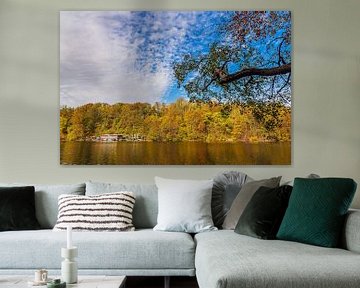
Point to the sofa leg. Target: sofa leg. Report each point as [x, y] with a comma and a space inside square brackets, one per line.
[167, 282]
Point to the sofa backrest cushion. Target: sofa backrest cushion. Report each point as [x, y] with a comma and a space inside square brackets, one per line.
[146, 204]
[46, 200]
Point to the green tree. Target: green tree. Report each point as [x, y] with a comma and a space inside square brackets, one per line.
[254, 65]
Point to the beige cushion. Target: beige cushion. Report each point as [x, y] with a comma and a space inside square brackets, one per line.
[243, 198]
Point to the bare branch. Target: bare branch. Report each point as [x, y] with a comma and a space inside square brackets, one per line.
[284, 69]
[286, 83]
[273, 86]
[281, 59]
[207, 85]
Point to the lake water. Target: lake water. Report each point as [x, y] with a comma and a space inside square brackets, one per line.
[183, 153]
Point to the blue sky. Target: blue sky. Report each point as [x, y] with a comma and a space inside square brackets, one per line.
[123, 56]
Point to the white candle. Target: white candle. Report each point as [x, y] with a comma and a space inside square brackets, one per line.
[69, 239]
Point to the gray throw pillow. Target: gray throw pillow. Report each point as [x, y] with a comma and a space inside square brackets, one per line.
[226, 187]
[184, 205]
[242, 199]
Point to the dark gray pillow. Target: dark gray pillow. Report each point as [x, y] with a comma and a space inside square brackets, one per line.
[243, 198]
[226, 187]
[263, 215]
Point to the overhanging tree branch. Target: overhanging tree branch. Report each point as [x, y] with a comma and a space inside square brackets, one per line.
[284, 69]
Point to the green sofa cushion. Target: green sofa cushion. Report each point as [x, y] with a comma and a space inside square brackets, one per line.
[316, 211]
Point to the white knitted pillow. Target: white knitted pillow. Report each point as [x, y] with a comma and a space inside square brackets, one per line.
[105, 212]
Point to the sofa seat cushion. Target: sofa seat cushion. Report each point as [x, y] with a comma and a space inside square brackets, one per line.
[226, 259]
[142, 249]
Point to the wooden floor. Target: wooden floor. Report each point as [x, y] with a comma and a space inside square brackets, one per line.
[158, 282]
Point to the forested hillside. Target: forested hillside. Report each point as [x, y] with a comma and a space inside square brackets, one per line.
[179, 121]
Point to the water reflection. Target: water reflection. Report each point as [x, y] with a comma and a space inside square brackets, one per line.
[183, 153]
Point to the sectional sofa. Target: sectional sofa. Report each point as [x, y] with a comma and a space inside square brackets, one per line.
[219, 259]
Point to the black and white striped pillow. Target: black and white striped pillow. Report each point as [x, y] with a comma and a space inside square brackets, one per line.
[105, 212]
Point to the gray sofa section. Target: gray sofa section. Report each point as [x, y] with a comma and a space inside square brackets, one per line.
[221, 259]
[225, 259]
[141, 253]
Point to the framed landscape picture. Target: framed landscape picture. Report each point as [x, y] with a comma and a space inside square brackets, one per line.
[175, 87]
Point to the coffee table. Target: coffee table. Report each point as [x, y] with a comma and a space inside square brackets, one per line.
[84, 281]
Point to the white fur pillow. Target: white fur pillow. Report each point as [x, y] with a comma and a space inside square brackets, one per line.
[105, 212]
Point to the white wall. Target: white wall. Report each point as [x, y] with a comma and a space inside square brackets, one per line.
[326, 91]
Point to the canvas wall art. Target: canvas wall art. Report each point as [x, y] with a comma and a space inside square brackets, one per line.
[175, 88]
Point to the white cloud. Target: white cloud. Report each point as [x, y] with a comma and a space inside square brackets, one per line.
[98, 64]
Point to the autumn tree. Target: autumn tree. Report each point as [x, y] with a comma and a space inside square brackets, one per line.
[179, 121]
[253, 65]
[65, 121]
